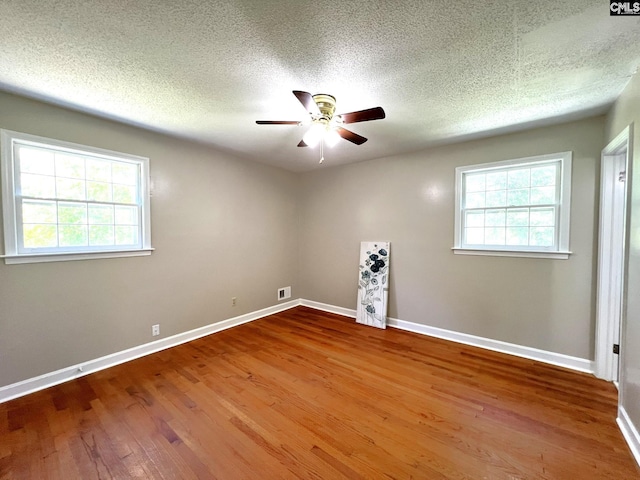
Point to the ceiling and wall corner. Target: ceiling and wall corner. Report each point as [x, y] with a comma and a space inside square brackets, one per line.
[206, 70]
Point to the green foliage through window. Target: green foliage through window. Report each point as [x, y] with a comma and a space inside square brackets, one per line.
[69, 200]
[513, 205]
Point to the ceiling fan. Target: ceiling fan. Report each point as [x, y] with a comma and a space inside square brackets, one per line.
[326, 126]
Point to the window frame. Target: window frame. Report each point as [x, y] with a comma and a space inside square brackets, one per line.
[12, 221]
[563, 217]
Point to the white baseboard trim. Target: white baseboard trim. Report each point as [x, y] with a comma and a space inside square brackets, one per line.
[345, 312]
[47, 380]
[629, 432]
[41, 382]
[558, 359]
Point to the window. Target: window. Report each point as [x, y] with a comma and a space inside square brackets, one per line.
[63, 201]
[514, 208]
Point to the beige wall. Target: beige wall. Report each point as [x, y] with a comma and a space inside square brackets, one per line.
[409, 201]
[625, 112]
[221, 227]
[225, 227]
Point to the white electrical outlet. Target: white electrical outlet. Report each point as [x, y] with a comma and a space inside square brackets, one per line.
[284, 293]
[155, 330]
[234, 301]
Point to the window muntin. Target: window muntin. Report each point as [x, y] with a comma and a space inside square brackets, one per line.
[61, 198]
[516, 206]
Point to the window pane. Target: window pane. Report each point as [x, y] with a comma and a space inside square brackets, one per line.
[543, 195]
[543, 176]
[124, 173]
[515, 205]
[124, 194]
[98, 170]
[100, 235]
[474, 236]
[475, 183]
[70, 166]
[73, 235]
[497, 198]
[100, 214]
[495, 218]
[99, 191]
[474, 219]
[126, 215]
[34, 211]
[517, 236]
[542, 236]
[543, 217]
[497, 181]
[518, 217]
[37, 186]
[518, 197]
[40, 235]
[519, 178]
[474, 200]
[36, 160]
[69, 198]
[494, 236]
[69, 189]
[72, 213]
[126, 236]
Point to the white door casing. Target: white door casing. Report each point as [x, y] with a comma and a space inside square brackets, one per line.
[613, 194]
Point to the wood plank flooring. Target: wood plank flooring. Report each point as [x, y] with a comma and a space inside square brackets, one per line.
[309, 395]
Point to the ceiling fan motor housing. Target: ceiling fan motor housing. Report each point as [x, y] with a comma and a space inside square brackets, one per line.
[326, 104]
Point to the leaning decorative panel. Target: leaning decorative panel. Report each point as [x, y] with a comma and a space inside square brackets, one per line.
[373, 284]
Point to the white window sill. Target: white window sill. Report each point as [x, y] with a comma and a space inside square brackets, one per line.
[64, 257]
[512, 253]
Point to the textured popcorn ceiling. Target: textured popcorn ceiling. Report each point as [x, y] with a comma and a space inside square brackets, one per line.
[443, 70]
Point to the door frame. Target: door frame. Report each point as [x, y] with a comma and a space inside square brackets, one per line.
[611, 235]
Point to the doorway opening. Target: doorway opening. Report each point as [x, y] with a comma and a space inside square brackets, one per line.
[613, 200]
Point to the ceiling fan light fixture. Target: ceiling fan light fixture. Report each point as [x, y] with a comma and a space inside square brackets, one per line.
[314, 134]
[331, 137]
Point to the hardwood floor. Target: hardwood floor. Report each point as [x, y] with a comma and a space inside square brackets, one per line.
[309, 395]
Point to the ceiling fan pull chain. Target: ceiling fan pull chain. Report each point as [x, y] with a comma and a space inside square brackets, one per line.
[321, 151]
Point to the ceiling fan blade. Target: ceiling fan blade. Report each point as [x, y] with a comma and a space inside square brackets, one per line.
[349, 135]
[302, 144]
[306, 99]
[376, 113]
[277, 122]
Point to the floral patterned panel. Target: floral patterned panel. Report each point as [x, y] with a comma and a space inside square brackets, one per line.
[373, 284]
